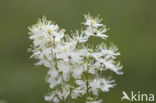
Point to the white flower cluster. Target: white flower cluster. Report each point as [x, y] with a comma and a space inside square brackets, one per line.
[78, 69]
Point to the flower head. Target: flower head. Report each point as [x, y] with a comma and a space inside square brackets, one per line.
[76, 68]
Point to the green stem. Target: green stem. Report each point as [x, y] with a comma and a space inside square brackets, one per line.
[56, 64]
[70, 99]
[87, 77]
[55, 59]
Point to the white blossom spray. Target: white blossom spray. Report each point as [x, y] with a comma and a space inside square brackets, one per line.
[78, 67]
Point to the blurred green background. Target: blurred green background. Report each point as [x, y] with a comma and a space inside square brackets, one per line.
[133, 29]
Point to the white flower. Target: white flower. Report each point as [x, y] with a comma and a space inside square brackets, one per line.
[90, 21]
[100, 33]
[64, 93]
[106, 56]
[77, 71]
[79, 37]
[75, 93]
[67, 52]
[54, 82]
[65, 69]
[95, 85]
[99, 66]
[95, 32]
[53, 73]
[115, 67]
[44, 57]
[109, 52]
[49, 98]
[82, 86]
[52, 97]
[106, 84]
[54, 79]
[93, 27]
[102, 84]
[85, 52]
[44, 33]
